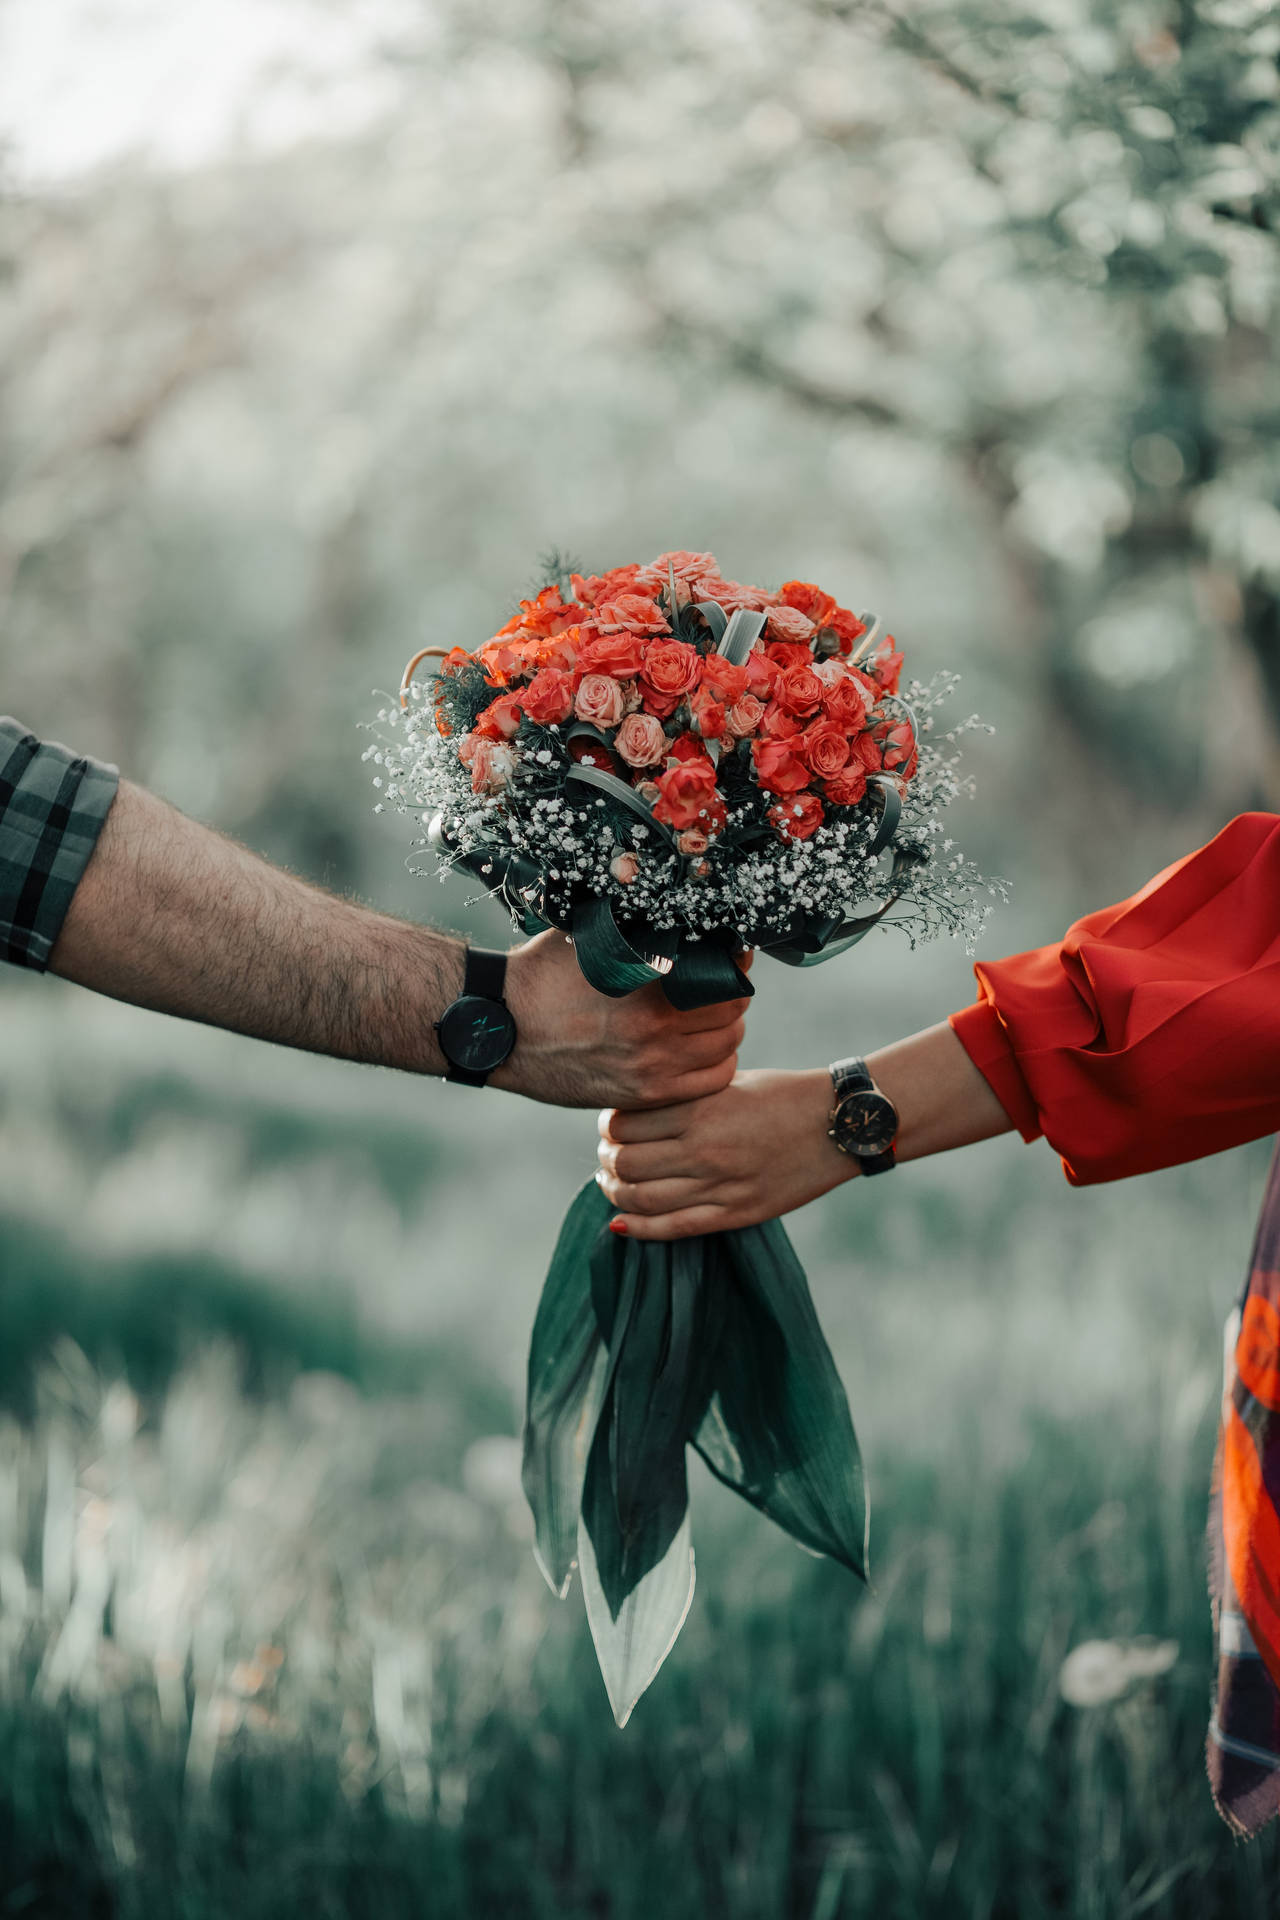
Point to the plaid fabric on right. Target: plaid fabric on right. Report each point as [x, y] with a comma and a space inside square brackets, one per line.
[1243, 1748]
[52, 806]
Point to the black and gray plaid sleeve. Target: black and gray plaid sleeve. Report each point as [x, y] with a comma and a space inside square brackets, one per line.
[52, 806]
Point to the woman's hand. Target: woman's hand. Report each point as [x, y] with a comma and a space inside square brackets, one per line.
[757, 1150]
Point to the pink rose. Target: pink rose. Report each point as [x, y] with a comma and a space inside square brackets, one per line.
[624, 867]
[788, 623]
[650, 792]
[599, 700]
[744, 716]
[685, 566]
[731, 594]
[693, 840]
[631, 613]
[641, 740]
[492, 764]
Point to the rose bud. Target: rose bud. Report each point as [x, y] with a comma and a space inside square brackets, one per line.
[624, 867]
[693, 840]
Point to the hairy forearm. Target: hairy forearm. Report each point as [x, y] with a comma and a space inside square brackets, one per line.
[172, 916]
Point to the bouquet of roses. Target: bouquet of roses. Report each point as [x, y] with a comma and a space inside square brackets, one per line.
[672, 767]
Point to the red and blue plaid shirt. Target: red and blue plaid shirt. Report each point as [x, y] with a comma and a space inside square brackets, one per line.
[52, 806]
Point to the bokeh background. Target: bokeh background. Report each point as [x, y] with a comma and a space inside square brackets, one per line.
[319, 321]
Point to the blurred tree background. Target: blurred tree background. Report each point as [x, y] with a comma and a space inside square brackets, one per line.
[316, 327]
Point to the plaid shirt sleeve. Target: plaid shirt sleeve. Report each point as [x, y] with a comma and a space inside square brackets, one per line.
[52, 806]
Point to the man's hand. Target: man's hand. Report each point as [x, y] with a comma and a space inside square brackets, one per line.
[577, 1048]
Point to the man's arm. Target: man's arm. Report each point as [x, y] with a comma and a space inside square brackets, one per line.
[173, 916]
[761, 1149]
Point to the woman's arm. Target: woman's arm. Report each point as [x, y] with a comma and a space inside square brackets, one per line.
[1148, 1036]
[761, 1149]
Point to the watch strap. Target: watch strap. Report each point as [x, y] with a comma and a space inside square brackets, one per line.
[484, 975]
[854, 1076]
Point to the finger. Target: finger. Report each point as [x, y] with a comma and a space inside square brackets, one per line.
[706, 1019]
[700, 1085]
[664, 1122]
[654, 1196]
[650, 1160]
[708, 1048]
[672, 1226]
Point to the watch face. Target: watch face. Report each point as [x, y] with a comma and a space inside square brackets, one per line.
[477, 1034]
[865, 1123]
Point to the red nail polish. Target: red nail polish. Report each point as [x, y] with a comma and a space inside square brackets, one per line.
[618, 1226]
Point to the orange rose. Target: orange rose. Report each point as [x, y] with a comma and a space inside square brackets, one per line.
[778, 768]
[897, 746]
[799, 818]
[501, 718]
[785, 654]
[618, 654]
[672, 669]
[778, 724]
[864, 749]
[762, 675]
[603, 586]
[1258, 1350]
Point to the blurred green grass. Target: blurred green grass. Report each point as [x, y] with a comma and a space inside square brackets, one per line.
[271, 1637]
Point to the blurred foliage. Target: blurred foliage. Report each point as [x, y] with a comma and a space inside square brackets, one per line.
[972, 307]
[969, 312]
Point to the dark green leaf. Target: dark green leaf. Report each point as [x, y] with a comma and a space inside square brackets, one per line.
[777, 1427]
[566, 1369]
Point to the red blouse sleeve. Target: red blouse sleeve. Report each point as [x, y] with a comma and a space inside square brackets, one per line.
[1151, 1034]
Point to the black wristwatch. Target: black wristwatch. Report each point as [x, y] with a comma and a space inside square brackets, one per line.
[864, 1121]
[477, 1032]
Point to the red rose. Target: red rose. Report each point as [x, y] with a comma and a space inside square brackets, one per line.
[708, 715]
[824, 748]
[885, 665]
[778, 724]
[688, 797]
[848, 786]
[845, 704]
[762, 675]
[800, 691]
[797, 819]
[726, 681]
[808, 599]
[688, 747]
[784, 655]
[672, 668]
[501, 718]
[548, 698]
[631, 613]
[620, 655]
[897, 748]
[778, 768]
[847, 628]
